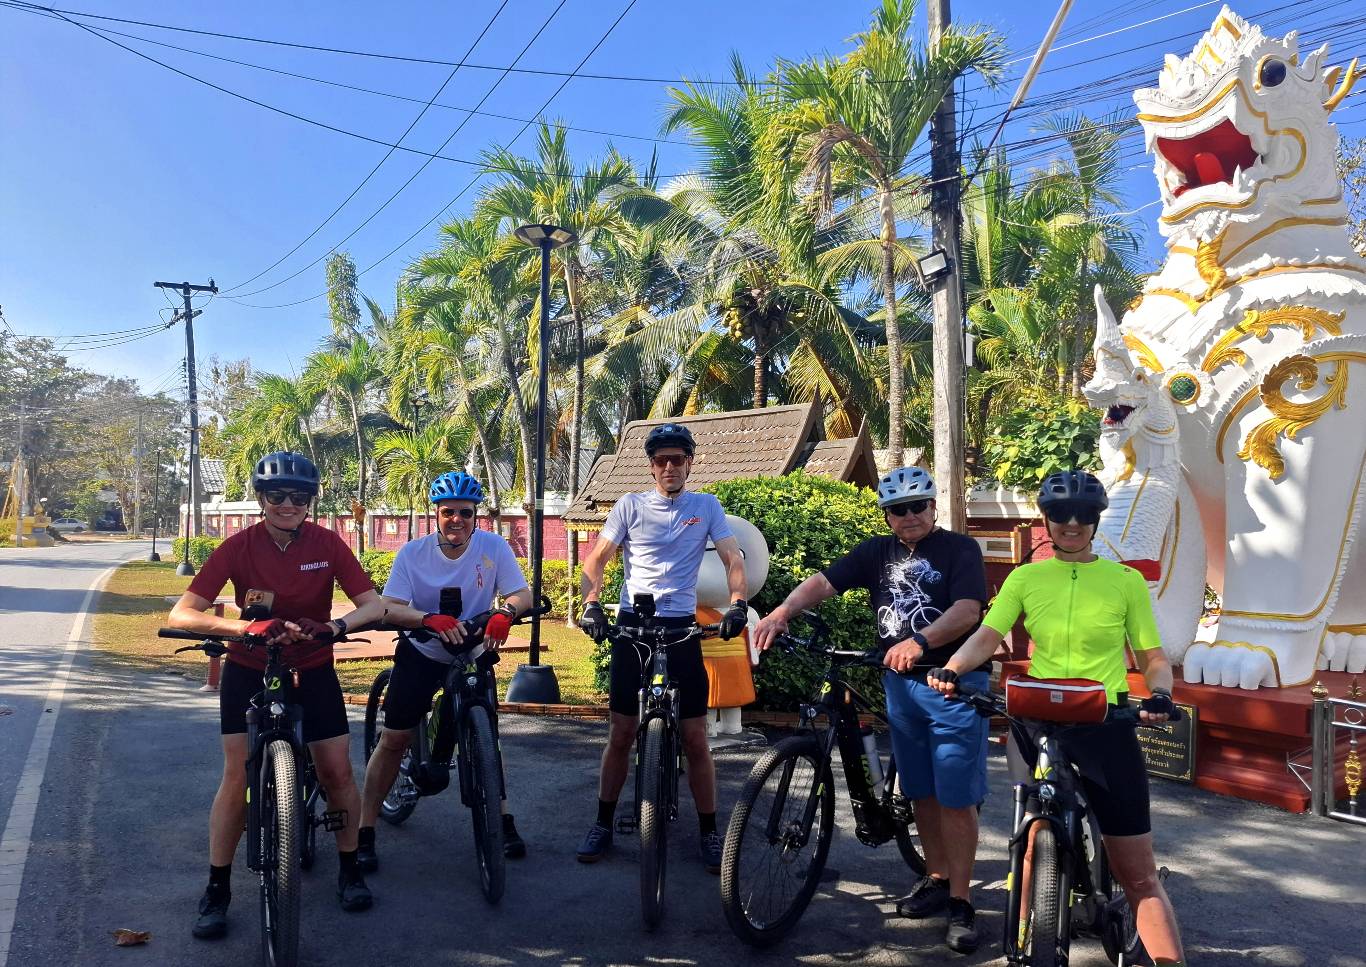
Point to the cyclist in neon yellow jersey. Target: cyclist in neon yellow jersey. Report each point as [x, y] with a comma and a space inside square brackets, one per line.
[1080, 610]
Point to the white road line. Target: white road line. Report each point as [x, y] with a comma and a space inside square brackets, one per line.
[14, 844]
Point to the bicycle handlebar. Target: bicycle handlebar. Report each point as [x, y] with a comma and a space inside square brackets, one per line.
[988, 704]
[657, 635]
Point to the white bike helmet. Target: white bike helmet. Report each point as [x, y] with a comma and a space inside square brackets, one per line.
[906, 484]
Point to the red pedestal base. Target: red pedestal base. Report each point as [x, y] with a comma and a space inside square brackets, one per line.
[1244, 738]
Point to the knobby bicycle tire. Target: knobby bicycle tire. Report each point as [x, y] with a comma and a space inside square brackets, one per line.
[308, 833]
[1045, 901]
[394, 808]
[906, 837]
[281, 810]
[485, 802]
[772, 861]
[654, 821]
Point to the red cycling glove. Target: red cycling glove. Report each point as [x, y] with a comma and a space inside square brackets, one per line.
[266, 628]
[439, 622]
[498, 626]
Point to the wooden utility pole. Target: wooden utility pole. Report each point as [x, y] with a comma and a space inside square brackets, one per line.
[196, 494]
[947, 294]
[137, 480]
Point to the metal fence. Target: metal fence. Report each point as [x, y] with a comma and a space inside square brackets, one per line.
[1332, 719]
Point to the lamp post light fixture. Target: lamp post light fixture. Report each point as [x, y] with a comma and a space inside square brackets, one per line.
[535, 682]
[934, 266]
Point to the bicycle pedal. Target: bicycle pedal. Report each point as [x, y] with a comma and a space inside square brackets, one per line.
[333, 821]
[626, 825]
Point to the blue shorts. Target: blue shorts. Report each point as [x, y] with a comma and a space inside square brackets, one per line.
[940, 746]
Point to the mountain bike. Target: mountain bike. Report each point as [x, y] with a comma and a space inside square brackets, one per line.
[278, 767]
[659, 748]
[1071, 889]
[779, 834]
[463, 723]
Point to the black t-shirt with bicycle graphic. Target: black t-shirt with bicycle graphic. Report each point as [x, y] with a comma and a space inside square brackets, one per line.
[909, 591]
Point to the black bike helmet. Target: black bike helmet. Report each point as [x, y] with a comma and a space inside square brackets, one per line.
[285, 469]
[1076, 487]
[669, 435]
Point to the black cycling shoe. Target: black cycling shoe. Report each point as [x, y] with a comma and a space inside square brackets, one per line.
[930, 896]
[352, 892]
[514, 847]
[595, 845]
[367, 860]
[213, 914]
[962, 933]
[711, 851]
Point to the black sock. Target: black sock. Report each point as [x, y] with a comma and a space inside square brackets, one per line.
[708, 822]
[220, 878]
[606, 810]
[347, 859]
[507, 822]
[367, 836]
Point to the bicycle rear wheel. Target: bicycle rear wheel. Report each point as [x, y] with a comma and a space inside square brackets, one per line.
[654, 821]
[281, 812]
[1045, 932]
[485, 802]
[310, 817]
[401, 799]
[777, 841]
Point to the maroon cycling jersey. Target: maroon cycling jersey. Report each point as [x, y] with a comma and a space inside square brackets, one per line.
[300, 577]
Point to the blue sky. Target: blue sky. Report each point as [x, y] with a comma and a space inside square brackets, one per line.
[115, 172]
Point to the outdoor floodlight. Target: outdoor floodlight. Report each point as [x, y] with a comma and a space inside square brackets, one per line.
[935, 266]
[551, 236]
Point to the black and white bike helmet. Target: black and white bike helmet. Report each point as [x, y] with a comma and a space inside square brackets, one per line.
[1075, 487]
[904, 485]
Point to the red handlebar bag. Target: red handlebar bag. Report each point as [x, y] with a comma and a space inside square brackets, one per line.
[1077, 700]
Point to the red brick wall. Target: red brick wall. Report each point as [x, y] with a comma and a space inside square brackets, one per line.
[515, 529]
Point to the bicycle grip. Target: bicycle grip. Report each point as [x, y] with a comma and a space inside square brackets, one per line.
[185, 635]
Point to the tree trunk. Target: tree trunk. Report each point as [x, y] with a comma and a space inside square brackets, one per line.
[1079, 340]
[360, 472]
[896, 390]
[523, 430]
[760, 367]
[576, 421]
[486, 458]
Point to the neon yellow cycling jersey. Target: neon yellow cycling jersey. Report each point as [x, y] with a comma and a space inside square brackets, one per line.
[1079, 616]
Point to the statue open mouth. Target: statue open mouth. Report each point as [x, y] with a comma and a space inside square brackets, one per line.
[1117, 414]
[1220, 154]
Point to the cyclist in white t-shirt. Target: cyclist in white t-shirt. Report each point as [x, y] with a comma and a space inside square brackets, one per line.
[481, 565]
[662, 534]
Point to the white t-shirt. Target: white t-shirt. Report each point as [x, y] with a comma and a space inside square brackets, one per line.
[662, 541]
[420, 571]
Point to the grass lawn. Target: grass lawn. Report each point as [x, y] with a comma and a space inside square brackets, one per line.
[133, 607]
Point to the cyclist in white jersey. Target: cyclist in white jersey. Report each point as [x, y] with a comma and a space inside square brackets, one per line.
[663, 534]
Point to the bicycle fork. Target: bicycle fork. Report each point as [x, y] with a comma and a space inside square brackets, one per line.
[1029, 812]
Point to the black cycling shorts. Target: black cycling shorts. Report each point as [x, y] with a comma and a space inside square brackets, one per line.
[1114, 775]
[319, 693]
[412, 684]
[685, 669]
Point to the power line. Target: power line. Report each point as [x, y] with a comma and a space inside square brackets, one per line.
[387, 155]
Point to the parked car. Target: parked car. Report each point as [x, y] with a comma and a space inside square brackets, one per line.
[67, 525]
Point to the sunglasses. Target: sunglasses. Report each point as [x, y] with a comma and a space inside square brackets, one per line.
[914, 507]
[277, 497]
[448, 512]
[1064, 513]
[669, 460]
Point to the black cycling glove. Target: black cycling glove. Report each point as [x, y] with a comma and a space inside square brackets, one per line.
[734, 620]
[1160, 703]
[593, 621]
[946, 675]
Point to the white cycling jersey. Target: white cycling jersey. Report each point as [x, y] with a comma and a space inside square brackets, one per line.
[662, 541]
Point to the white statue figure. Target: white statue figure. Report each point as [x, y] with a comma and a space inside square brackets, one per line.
[1255, 331]
[729, 663]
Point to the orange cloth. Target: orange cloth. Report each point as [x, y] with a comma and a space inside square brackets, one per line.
[730, 682]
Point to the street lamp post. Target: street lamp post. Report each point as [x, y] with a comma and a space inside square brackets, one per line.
[156, 507]
[535, 682]
[185, 568]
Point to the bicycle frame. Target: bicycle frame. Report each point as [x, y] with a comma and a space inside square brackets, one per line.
[269, 717]
[657, 699]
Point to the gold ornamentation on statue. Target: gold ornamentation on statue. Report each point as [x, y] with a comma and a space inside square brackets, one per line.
[1319, 690]
[1349, 78]
[1258, 323]
[1288, 418]
[1140, 349]
[1130, 459]
[1207, 263]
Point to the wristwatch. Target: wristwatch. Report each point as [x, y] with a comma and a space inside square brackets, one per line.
[920, 640]
[341, 627]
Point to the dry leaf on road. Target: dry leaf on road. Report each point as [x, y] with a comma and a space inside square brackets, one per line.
[130, 938]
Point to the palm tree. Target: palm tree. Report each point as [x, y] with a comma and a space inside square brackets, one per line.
[548, 188]
[277, 416]
[344, 378]
[853, 121]
[410, 460]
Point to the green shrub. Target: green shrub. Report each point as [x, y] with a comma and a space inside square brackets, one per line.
[555, 583]
[377, 564]
[1033, 441]
[808, 521]
[200, 549]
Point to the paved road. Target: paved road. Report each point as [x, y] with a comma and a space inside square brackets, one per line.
[120, 842]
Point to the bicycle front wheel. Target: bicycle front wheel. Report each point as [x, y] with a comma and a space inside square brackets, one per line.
[485, 802]
[401, 799]
[654, 821]
[309, 816]
[281, 812]
[777, 841]
[1045, 931]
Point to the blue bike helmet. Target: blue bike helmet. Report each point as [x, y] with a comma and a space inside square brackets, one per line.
[285, 469]
[456, 486]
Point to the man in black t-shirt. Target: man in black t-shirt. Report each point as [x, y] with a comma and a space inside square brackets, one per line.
[927, 587]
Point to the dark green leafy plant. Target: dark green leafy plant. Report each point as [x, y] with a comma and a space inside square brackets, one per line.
[1033, 441]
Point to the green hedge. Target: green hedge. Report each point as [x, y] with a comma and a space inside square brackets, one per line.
[554, 576]
[808, 522]
[200, 549]
[377, 564]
